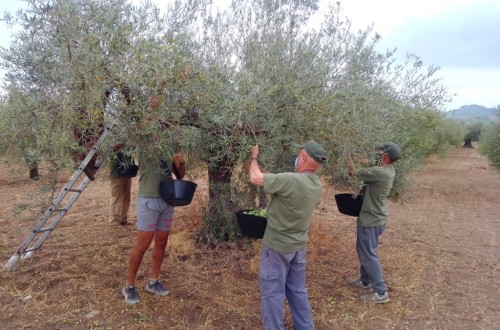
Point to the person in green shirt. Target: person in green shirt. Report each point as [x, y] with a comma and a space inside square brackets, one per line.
[283, 258]
[154, 220]
[154, 215]
[377, 181]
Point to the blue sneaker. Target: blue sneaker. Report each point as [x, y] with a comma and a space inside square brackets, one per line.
[157, 288]
[131, 296]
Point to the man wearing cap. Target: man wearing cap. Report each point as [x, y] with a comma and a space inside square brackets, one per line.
[283, 258]
[372, 219]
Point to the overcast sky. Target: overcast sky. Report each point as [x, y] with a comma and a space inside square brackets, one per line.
[462, 37]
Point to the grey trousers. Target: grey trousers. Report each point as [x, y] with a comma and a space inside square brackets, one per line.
[283, 275]
[366, 246]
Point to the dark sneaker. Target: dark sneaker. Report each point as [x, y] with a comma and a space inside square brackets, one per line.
[358, 284]
[131, 296]
[116, 223]
[376, 298]
[157, 288]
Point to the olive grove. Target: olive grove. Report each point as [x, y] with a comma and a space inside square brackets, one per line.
[490, 142]
[211, 84]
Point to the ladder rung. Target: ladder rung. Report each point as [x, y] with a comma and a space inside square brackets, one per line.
[61, 210]
[75, 190]
[30, 249]
[44, 230]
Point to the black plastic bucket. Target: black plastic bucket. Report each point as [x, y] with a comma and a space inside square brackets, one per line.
[184, 192]
[349, 205]
[251, 225]
[129, 171]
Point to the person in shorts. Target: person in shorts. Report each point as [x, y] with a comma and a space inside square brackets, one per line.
[154, 221]
[154, 215]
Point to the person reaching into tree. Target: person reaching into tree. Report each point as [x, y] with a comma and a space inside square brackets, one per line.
[154, 215]
[372, 219]
[282, 271]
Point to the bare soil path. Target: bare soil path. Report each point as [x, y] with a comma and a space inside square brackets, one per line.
[440, 256]
[450, 232]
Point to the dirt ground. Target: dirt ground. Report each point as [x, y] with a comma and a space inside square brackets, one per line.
[440, 256]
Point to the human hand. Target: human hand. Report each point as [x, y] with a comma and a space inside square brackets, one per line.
[255, 151]
[179, 166]
[363, 160]
[118, 146]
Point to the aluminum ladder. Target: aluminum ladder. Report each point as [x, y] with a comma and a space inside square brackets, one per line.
[55, 212]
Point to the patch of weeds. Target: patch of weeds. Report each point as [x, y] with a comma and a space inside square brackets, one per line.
[331, 301]
[143, 318]
[94, 325]
[19, 209]
[17, 294]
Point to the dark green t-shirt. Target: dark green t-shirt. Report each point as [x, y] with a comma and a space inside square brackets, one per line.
[150, 173]
[294, 198]
[378, 180]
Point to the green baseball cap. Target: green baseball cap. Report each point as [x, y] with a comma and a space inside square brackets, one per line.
[314, 150]
[391, 149]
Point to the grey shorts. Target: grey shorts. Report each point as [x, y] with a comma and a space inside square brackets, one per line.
[153, 213]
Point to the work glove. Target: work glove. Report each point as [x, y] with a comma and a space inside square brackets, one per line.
[179, 166]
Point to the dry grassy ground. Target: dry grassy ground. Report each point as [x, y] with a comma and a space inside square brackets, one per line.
[440, 256]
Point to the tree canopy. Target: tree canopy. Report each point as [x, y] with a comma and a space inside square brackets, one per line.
[211, 84]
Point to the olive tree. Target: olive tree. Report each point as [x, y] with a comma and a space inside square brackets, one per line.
[259, 78]
[274, 80]
[490, 141]
[78, 65]
[103, 59]
[213, 84]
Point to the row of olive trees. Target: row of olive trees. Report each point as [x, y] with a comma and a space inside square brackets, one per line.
[490, 142]
[253, 73]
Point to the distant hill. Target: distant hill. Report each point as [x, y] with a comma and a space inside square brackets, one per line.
[474, 113]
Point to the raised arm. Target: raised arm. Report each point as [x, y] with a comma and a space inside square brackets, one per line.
[255, 174]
